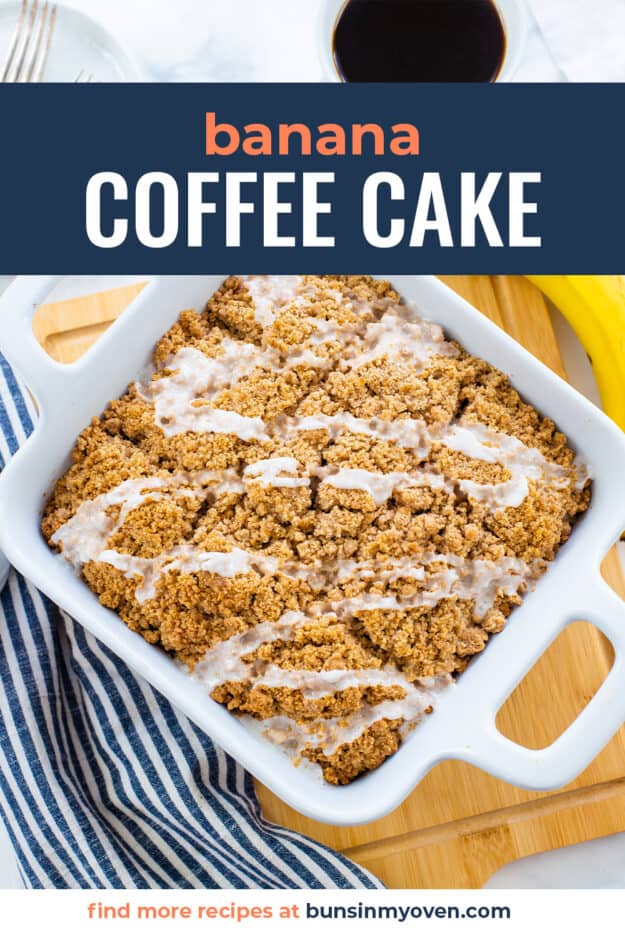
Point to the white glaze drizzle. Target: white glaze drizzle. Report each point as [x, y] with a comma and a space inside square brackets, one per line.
[180, 398]
[331, 733]
[406, 343]
[176, 411]
[473, 440]
[185, 558]
[279, 472]
[480, 581]
[383, 327]
[523, 464]
[379, 485]
[407, 432]
[84, 537]
[223, 663]
[273, 294]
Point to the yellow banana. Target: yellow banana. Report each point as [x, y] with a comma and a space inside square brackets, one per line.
[595, 308]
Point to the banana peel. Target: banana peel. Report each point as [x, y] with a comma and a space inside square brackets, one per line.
[595, 308]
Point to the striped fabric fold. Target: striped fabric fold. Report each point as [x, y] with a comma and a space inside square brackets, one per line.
[103, 783]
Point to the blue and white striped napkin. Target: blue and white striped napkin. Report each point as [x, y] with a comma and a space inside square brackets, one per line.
[102, 782]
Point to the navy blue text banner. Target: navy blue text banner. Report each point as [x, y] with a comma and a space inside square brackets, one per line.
[500, 178]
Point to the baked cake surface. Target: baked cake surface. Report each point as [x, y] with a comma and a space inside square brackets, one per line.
[320, 506]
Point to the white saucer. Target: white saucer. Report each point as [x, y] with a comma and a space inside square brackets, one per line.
[78, 44]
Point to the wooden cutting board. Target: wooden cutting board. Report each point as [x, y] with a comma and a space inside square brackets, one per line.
[459, 825]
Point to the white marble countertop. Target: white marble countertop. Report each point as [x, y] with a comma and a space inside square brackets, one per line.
[205, 40]
[597, 864]
[276, 40]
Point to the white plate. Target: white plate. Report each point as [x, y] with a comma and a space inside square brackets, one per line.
[78, 43]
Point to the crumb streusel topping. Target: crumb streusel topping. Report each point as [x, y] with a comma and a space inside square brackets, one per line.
[320, 506]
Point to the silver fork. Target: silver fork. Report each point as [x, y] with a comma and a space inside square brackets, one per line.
[83, 78]
[30, 45]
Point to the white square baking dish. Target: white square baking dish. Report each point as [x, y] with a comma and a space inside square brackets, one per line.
[463, 727]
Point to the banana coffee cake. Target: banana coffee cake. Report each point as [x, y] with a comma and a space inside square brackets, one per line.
[320, 506]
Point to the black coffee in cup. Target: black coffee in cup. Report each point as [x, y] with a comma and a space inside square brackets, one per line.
[419, 40]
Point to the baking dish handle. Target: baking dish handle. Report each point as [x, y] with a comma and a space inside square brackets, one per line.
[18, 305]
[583, 740]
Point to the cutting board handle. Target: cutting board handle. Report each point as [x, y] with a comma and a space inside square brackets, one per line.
[562, 761]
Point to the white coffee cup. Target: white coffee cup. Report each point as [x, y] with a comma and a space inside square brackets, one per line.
[513, 15]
